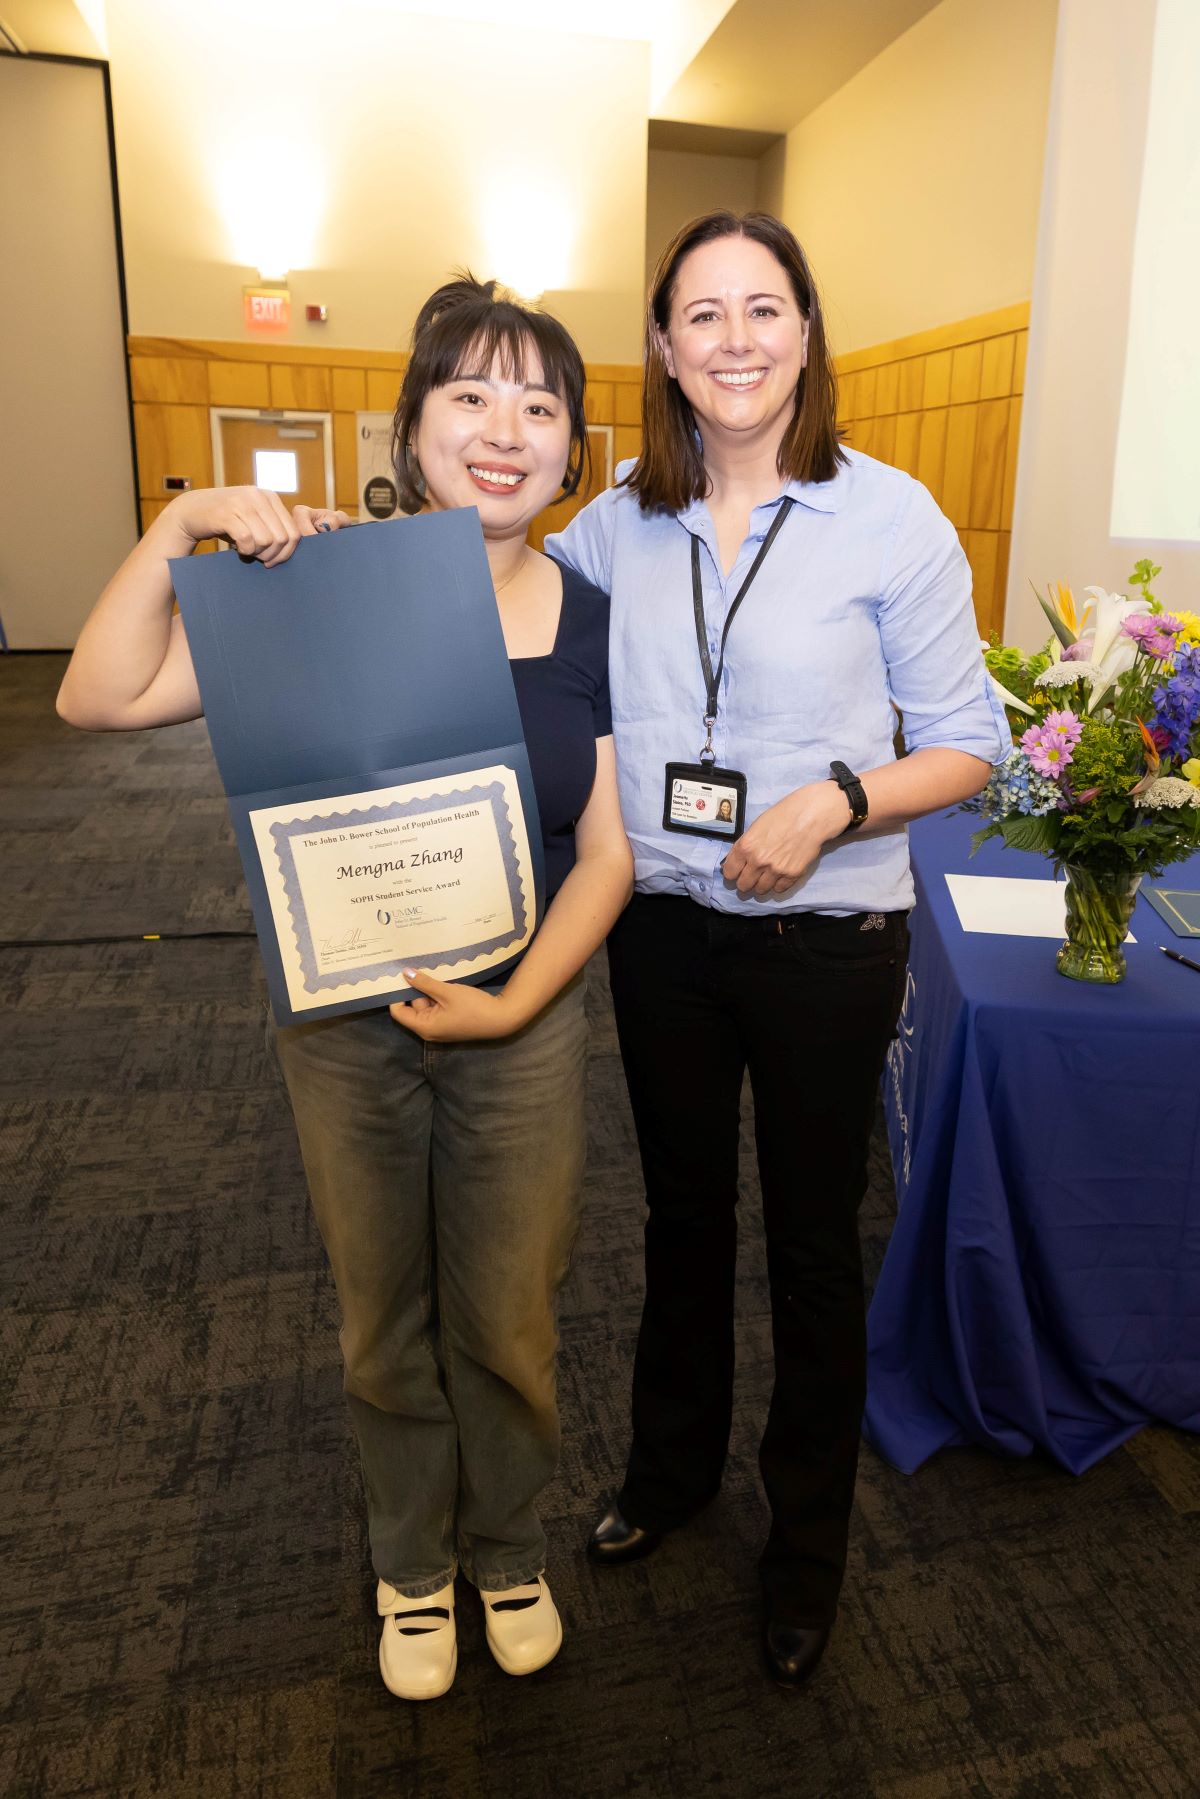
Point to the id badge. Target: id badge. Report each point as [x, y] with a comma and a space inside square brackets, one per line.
[704, 800]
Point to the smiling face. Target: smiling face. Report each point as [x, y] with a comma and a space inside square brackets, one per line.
[490, 440]
[736, 341]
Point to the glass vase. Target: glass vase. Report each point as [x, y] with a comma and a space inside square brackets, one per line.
[1099, 906]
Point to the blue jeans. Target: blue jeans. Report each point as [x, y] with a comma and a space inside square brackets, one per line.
[445, 1180]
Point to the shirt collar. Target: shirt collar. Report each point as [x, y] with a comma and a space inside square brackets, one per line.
[818, 496]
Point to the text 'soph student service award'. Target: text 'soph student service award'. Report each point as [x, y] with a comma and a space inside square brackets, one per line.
[365, 724]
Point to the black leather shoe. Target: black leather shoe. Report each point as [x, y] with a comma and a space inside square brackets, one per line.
[793, 1651]
[616, 1540]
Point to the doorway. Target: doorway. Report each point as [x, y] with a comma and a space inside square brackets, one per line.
[289, 452]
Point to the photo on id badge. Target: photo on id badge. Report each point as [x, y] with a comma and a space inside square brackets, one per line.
[704, 801]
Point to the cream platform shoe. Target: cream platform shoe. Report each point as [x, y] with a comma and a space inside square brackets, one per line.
[418, 1651]
[524, 1630]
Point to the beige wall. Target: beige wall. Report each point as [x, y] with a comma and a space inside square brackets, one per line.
[1080, 318]
[915, 188]
[682, 184]
[370, 170]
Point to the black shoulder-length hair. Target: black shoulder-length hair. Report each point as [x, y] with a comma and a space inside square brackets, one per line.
[462, 329]
[669, 474]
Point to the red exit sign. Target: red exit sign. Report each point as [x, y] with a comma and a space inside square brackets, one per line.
[266, 308]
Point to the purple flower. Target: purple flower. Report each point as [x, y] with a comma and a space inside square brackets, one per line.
[1153, 632]
[1049, 744]
[1177, 702]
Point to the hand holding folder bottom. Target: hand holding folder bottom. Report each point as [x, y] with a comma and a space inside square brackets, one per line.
[366, 727]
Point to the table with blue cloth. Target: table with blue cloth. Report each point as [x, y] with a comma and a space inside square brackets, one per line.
[1042, 1285]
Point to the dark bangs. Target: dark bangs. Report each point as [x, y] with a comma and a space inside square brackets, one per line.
[464, 329]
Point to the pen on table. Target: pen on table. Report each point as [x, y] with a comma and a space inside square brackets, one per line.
[1176, 957]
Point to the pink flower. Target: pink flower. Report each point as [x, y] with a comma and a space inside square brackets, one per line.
[1064, 725]
[1049, 744]
[1155, 633]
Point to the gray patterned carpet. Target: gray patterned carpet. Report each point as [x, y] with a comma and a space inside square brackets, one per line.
[185, 1598]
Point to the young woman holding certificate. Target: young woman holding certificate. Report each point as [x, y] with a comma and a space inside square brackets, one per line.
[775, 599]
[443, 1140]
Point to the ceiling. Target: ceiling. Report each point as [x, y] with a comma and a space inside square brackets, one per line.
[769, 63]
[755, 67]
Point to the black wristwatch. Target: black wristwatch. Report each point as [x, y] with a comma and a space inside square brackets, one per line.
[854, 791]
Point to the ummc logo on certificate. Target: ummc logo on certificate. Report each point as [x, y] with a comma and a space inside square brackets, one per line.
[432, 874]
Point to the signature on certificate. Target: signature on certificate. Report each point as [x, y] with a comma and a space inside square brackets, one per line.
[341, 945]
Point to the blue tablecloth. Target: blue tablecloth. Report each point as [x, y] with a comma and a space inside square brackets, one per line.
[1042, 1284]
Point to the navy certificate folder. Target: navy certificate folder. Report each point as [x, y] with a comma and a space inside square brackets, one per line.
[371, 660]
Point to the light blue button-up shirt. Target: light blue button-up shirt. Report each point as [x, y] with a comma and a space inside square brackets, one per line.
[862, 607]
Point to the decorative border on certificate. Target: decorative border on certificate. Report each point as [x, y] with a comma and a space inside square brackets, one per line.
[435, 875]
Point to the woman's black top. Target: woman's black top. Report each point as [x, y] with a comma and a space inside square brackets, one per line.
[564, 705]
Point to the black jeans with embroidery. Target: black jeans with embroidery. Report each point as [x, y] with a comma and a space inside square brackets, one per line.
[806, 1004]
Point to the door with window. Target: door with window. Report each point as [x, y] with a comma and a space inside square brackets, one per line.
[289, 452]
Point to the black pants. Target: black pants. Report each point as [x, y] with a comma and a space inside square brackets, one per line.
[807, 1004]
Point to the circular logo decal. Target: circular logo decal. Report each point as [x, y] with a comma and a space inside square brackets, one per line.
[380, 496]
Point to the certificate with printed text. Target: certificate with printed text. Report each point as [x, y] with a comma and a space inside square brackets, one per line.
[364, 720]
[434, 875]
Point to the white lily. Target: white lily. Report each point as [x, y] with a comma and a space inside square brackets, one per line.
[1112, 651]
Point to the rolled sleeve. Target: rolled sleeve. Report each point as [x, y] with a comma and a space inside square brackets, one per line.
[936, 674]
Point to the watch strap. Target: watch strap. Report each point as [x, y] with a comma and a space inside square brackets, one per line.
[854, 791]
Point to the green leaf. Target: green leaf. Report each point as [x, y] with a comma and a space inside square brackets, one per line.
[1040, 834]
[1065, 636]
[978, 838]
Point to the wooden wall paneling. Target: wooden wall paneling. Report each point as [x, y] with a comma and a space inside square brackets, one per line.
[931, 457]
[941, 337]
[1003, 546]
[1010, 462]
[169, 380]
[966, 364]
[996, 377]
[907, 449]
[959, 466]
[887, 389]
[987, 486]
[628, 405]
[936, 391]
[349, 390]
[885, 438]
[599, 403]
[848, 398]
[982, 548]
[239, 384]
[305, 389]
[912, 384]
[233, 350]
[383, 389]
[864, 398]
[172, 440]
[345, 459]
[626, 442]
[864, 437]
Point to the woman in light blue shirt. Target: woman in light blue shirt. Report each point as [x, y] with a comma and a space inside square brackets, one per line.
[780, 953]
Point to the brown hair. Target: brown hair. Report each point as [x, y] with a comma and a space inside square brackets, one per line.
[463, 328]
[669, 474]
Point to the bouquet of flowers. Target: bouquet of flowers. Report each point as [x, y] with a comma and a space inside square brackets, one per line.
[1104, 775]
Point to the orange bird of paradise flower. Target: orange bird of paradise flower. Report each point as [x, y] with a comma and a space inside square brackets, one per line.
[1153, 761]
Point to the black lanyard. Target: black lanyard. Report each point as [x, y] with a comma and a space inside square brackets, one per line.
[712, 680]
